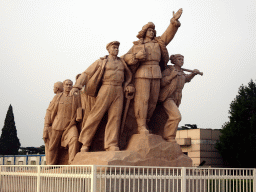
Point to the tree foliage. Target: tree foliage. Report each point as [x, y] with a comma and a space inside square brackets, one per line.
[188, 126]
[32, 150]
[9, 142]
[237, 143]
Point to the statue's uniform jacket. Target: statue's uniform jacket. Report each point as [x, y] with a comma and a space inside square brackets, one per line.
[61, 116]
[148, 73]
[109, 98]
[170, 96]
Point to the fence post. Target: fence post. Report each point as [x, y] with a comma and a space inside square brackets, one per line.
[38, 178]
[93, 178]
[254, 180]
[183, 179]
[0, 174]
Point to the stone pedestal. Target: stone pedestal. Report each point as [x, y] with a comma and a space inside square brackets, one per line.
[142, 150]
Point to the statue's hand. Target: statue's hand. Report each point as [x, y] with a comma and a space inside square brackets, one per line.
[141, 55]
[177, 15]
[196, 71]
[73, 91]
[46, 134]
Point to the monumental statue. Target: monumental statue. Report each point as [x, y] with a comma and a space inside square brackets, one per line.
[57, 88]
[172, 83]
[123, 110]
[150, 55]
[60, 129]
[104, 80]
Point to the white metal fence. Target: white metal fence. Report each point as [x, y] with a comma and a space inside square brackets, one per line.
[98, 178]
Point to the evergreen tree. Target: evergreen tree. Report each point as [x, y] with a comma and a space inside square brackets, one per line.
[9, 142]
[237, 143]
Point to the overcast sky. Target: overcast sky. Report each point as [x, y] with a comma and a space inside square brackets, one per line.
[42, 42]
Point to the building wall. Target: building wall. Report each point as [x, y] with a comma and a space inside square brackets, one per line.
[22, 160]
[201, 146]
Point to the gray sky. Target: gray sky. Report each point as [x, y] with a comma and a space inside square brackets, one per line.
[42, 42]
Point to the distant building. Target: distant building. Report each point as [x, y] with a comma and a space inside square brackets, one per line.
[199, 145]
[22, 160]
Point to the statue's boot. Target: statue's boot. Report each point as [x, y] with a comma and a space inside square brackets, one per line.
[113, 148]
[84, 149]
[142, 126]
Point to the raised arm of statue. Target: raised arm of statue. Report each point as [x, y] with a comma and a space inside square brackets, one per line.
[192, 75]
[172, 28]
[84, 77]
[80, 82]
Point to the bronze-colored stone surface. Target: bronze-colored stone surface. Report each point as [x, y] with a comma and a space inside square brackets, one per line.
[142, 150]
[61, 119]
[128, 103]
[149, 57]
[105, 80]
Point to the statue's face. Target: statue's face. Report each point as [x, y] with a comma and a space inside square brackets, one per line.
[150, 33]
[179, 61]
[55, 89]
[68, 86]
[113, 50]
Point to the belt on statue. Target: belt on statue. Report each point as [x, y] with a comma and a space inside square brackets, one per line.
[150, 63]
[115, 83]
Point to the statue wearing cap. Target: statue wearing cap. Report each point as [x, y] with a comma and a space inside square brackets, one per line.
[105, 80]
[150, 56]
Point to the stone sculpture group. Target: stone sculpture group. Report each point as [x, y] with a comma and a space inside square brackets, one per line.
[116, 105]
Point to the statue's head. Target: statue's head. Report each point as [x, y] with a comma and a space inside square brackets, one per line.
[113, 48]
[58, 87]
[177, 59]
[68, 85]
[149, 26]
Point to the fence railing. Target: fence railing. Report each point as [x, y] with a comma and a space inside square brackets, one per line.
[92, 178]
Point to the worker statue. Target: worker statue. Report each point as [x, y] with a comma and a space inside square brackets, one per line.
[150, 56]
[60, 128]
[172, 83]
[105, 80]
